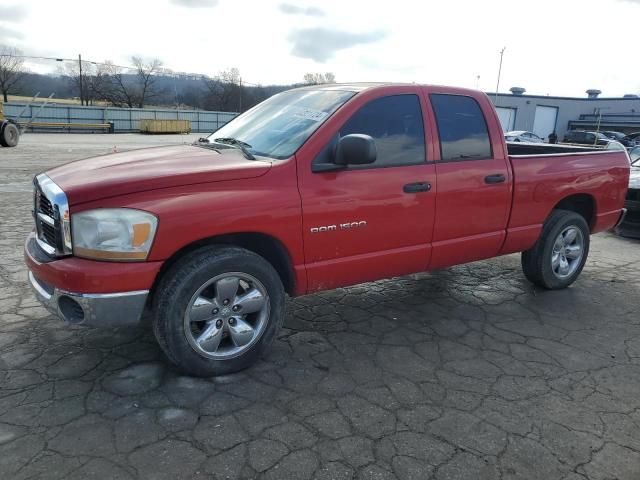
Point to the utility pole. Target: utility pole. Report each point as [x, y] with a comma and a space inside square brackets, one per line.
[477, 81]
[499, 72]
[175, 90]
[81, 89]
[240, 96]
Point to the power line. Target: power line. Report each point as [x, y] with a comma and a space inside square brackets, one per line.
[37, 58]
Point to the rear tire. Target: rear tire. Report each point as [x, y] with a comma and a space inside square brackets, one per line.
[198, 310]
[9, 135]
[559, 255]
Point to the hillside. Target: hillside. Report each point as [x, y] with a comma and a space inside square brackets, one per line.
[185, 92]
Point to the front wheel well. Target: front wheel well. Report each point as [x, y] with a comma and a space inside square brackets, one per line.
[268, 247]
[581, 203]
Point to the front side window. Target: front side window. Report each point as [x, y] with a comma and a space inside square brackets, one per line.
[278, 126]
[462, 128]
[395, 123]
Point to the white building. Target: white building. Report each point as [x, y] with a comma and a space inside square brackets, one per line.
[544, 114]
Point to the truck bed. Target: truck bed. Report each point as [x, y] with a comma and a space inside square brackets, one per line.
[593, 180]
[519, 148]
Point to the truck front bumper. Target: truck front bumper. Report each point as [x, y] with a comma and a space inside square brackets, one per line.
[93, 309]
[87, 292]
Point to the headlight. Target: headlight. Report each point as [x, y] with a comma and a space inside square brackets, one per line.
[119, 234]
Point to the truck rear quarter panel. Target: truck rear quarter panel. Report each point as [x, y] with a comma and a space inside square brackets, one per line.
[542, 181]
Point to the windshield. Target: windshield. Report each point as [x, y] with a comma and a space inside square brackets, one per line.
[634, 155]
[278, 126]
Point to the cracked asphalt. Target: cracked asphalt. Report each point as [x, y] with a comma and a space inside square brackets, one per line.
[466, 373]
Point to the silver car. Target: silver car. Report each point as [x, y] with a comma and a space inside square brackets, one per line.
[522, 136]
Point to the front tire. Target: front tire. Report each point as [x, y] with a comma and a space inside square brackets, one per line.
[9, 135]
[559, 255]
[218, 310]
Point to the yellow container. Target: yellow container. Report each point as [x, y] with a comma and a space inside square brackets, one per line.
[165, 126]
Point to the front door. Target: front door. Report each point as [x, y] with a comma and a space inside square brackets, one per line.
[474, 184]
[371, 221]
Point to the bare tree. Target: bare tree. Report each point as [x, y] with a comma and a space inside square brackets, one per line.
[115, 86]
[319, 78]
[223, 91]
[11, 70]
[146, 72]
[120, 86]
[89, 79]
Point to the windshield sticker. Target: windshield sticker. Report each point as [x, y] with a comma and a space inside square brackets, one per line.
[310, 114]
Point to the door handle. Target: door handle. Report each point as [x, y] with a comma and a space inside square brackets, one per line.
[497, 178]
[416, 187]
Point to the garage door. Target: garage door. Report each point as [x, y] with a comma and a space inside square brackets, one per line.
[545, 120]
[507, 118]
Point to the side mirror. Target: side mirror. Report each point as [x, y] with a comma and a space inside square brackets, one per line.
[355, 149]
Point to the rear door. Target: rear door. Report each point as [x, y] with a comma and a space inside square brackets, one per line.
[474, 181]
[370, 221]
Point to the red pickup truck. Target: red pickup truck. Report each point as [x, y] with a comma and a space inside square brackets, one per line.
[313, 189]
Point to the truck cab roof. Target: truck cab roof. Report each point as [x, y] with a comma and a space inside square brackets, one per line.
[365, 86]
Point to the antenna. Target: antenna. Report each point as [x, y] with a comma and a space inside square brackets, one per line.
[499, 72]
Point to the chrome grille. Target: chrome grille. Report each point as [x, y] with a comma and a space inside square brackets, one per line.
[45, 206]
[51, 215]
[48, 233]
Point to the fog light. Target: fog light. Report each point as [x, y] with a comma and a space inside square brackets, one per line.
[70, 309]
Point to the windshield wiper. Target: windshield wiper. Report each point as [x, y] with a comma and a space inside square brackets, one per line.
[205, 143]
[234, 142]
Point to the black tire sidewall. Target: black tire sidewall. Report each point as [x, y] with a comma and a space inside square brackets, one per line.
[564, 219]
[184, 279]
[6, 135]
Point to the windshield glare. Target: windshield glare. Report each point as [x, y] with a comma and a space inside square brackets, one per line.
[278, 126]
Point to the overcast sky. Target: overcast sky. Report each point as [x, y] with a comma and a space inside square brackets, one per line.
[555, 47]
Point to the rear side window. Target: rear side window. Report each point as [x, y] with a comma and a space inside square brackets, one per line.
[395, 123]
[462, 128]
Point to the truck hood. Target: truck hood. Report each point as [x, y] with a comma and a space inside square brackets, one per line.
[150, 169]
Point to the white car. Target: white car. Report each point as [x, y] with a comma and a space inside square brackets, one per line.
[522, 136]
